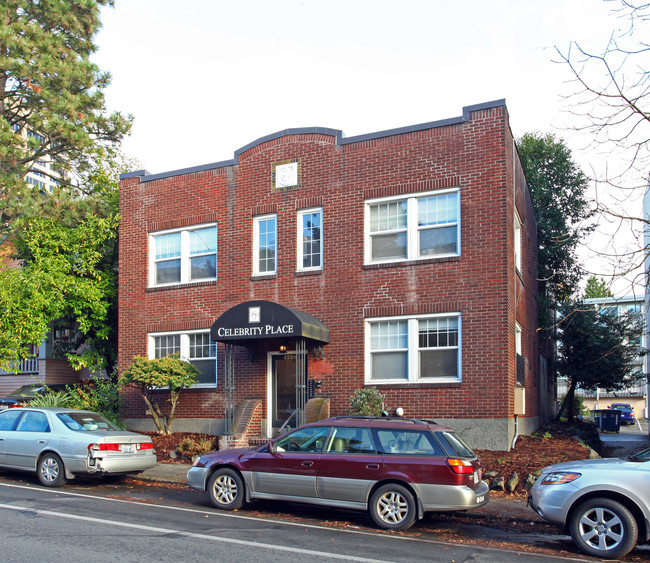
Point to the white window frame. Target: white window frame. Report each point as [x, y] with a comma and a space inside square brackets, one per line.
[300, 250]
[413, 349]
[184, 352]
[518, 331]
[256, 244]
[185, 257]
[412, 228]
[517, 242]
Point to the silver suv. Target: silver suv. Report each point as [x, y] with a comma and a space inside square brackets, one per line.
[604, 503]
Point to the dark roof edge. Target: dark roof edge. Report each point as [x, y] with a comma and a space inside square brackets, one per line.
[467, 110]
[340, 140]
[293, 131]
[146, 177]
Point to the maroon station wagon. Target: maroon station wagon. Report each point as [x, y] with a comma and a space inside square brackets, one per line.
[395, 468]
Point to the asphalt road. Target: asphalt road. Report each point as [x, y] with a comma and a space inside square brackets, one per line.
[133, 522]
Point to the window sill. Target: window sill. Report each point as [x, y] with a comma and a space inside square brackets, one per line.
[258, 277]
[416, 384]
[428, 260]
[180, 285]
[303, 273]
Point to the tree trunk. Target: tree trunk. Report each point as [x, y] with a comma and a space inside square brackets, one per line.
[568, 402]
[155, 412]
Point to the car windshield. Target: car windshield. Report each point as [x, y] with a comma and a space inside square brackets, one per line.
[24, 391]
[643, 455]
[85, 421]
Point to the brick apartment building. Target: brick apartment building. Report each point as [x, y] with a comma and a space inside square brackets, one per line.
[312, 265]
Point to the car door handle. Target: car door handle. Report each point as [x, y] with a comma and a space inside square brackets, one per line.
[41, 441]
[372, 466]
[307, 463]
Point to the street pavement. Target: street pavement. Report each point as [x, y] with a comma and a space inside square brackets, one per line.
[510, 507]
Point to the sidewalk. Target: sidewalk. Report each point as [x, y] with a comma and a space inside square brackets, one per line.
[166, 473]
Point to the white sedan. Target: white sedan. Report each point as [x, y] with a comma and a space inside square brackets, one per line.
[58, 444]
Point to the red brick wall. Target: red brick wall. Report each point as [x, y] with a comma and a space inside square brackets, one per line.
[476, 156]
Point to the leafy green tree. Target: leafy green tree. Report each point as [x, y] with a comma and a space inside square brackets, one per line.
[167, 375]
[597, 288]
[52, 104]
[558, 190]
[95, 343]
[596, 350]
[61, 277]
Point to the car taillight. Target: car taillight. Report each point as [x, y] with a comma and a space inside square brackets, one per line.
[104, 447]
[461, 466]
[117, 447]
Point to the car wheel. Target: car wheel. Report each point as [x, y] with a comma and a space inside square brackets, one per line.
[50, 471]
[392, 507]
[603, 528]
[226, 489]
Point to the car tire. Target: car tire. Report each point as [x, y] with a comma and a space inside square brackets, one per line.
[392, 507]
[226, 489]
[603, 528]
[50, 470]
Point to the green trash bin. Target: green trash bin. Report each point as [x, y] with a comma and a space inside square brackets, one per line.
[608, 419]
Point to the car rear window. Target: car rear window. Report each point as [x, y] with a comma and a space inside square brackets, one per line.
[407, 442]
[86, 421]
[456, 445]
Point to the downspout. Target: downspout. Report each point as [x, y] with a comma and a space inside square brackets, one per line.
[514, 285]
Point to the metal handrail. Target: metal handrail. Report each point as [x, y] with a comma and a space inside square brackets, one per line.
[287, 421]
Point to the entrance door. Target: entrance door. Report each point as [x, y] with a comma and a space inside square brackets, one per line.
[283, 392]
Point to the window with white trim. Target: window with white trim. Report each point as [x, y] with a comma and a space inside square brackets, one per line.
[413, 227]
[310, 239]
[517, 242]
[423, 348]
[183, 256]
[194, 347]
[265, 244]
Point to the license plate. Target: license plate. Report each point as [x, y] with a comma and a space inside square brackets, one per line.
[128, 448]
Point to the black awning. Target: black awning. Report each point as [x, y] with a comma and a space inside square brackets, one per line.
[259, 320]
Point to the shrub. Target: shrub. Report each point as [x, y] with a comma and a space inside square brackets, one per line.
[366, 402]
[101, 396]
[190, 447]
[57, 399]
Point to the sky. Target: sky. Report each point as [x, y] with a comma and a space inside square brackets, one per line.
[203, 78]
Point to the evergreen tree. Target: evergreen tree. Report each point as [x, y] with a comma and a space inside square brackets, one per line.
[51, 101]
[596, 350]
[596, 288]
[558, 190]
